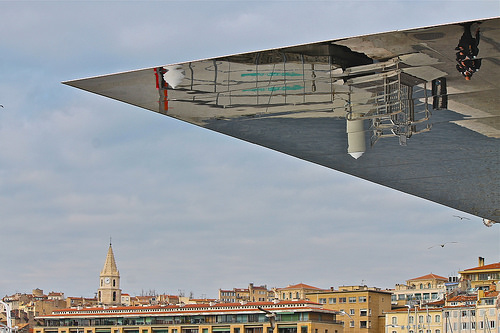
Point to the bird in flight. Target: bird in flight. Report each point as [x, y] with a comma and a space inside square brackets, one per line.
[462, 217]
[442, 245]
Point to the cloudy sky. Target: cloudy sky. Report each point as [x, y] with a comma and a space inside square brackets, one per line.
[188, 209]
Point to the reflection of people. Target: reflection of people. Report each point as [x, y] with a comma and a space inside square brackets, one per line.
[467, 51]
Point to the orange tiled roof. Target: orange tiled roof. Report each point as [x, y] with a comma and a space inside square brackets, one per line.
[190, 308]
[463, 298]
[492, 293]
[429, 277]
[490, 266]
[300, 286]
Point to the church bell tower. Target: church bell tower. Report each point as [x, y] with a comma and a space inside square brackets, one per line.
[109, 292]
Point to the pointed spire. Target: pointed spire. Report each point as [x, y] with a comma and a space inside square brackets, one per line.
[110, 264]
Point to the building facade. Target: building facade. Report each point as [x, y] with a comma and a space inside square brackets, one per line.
[364, 308]
[481, 277]
[251, 294]
[252, 317]
[416, 319]
[296, 291]
[420, 290]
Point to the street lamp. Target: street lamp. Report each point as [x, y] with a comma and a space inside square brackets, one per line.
[346, 314]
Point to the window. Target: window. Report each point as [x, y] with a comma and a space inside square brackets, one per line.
[464, 313]
[464, 326]
[362, 299]
[352, 312]
[351, 323]
[342, 300]
[394, 320]
[429, 319]
[332, 300]
[473, 313]
[492, 324]
[410, 319]
[303, 329]
[363, 312]
[352, 299]
[401, 297]
[363, 324]
[322, 301]
[420, 319]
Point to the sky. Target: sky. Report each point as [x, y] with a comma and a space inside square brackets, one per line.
[189, 210]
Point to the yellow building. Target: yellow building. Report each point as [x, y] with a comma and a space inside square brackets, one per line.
[296, 291]
[481, 277]
[255, 317]
[417, 319]
[251, 294]
[419, 290]
[363, 307]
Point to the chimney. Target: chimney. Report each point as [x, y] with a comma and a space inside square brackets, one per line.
[481, 261]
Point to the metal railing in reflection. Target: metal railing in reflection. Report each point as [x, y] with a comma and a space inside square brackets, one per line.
[398, 106]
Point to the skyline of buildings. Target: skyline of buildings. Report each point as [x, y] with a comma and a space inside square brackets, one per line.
[360, 307]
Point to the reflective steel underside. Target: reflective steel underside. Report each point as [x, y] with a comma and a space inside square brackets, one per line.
[393, 108]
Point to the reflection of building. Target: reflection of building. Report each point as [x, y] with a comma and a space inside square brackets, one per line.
[393, 95]
[364, 307]
[291, 317]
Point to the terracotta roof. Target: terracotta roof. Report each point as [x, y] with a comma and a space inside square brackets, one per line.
[300, 286]
[490, 266]
[429, 277]
[188, 308]
[463, 298]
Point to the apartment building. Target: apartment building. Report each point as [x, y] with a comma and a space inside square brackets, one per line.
[295, 291]
[363, 307]
[420, 290]
[416, 319]
[252, 317]
[481, 277]
[251, 294]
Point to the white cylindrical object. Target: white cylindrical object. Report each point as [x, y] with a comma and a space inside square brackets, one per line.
[356, 144]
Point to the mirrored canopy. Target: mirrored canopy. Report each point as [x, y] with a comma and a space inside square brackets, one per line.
[415, 110]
